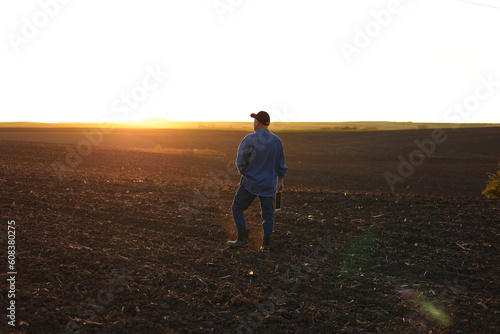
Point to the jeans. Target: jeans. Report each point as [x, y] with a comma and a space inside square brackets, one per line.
[242, 201]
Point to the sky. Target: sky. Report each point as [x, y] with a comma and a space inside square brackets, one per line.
[220, 60]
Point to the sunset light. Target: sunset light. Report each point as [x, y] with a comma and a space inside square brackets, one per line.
[68, 61]
[250, 166]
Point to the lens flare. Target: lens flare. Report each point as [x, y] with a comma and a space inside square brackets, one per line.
[436, 313]
[430, 309]
[359, 254]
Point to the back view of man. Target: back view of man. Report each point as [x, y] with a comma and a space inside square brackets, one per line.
[261, 162]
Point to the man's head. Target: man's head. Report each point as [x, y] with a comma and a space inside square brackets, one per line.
[261, 120]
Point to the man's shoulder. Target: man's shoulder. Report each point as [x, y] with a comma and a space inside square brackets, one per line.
[276, 137]
[262, 136]
[248, 136]
[253, 135]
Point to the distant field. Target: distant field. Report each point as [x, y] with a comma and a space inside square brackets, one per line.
[348, 160]
[247, 126]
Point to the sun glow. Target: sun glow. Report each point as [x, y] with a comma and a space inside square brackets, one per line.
[195, 63]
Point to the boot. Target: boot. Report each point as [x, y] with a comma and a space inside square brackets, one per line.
[266, 240]
[242, 240]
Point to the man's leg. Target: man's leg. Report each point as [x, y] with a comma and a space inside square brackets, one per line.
[267, 208]
[241, 202]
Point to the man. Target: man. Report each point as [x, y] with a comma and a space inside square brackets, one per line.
[261, 162]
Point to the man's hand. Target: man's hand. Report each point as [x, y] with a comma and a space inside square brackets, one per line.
[280, 185]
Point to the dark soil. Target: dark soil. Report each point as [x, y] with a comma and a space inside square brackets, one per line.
[133, 240]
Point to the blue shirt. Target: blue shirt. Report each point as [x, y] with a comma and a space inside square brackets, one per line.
[261, 160]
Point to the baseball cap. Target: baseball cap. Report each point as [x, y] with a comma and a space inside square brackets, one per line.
[262, 117]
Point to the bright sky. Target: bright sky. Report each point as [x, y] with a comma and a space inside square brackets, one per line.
[220, 60]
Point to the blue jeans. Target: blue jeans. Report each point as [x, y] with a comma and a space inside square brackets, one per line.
[242, 201]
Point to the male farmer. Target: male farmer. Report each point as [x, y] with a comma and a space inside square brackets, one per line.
[261, 162]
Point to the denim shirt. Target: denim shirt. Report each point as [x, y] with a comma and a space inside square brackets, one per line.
[261, 160]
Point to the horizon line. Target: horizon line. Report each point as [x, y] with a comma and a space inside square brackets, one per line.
[161, 120]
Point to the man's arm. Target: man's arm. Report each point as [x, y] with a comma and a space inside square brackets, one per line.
[280, 186]
[242, 157]
[282, 169]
